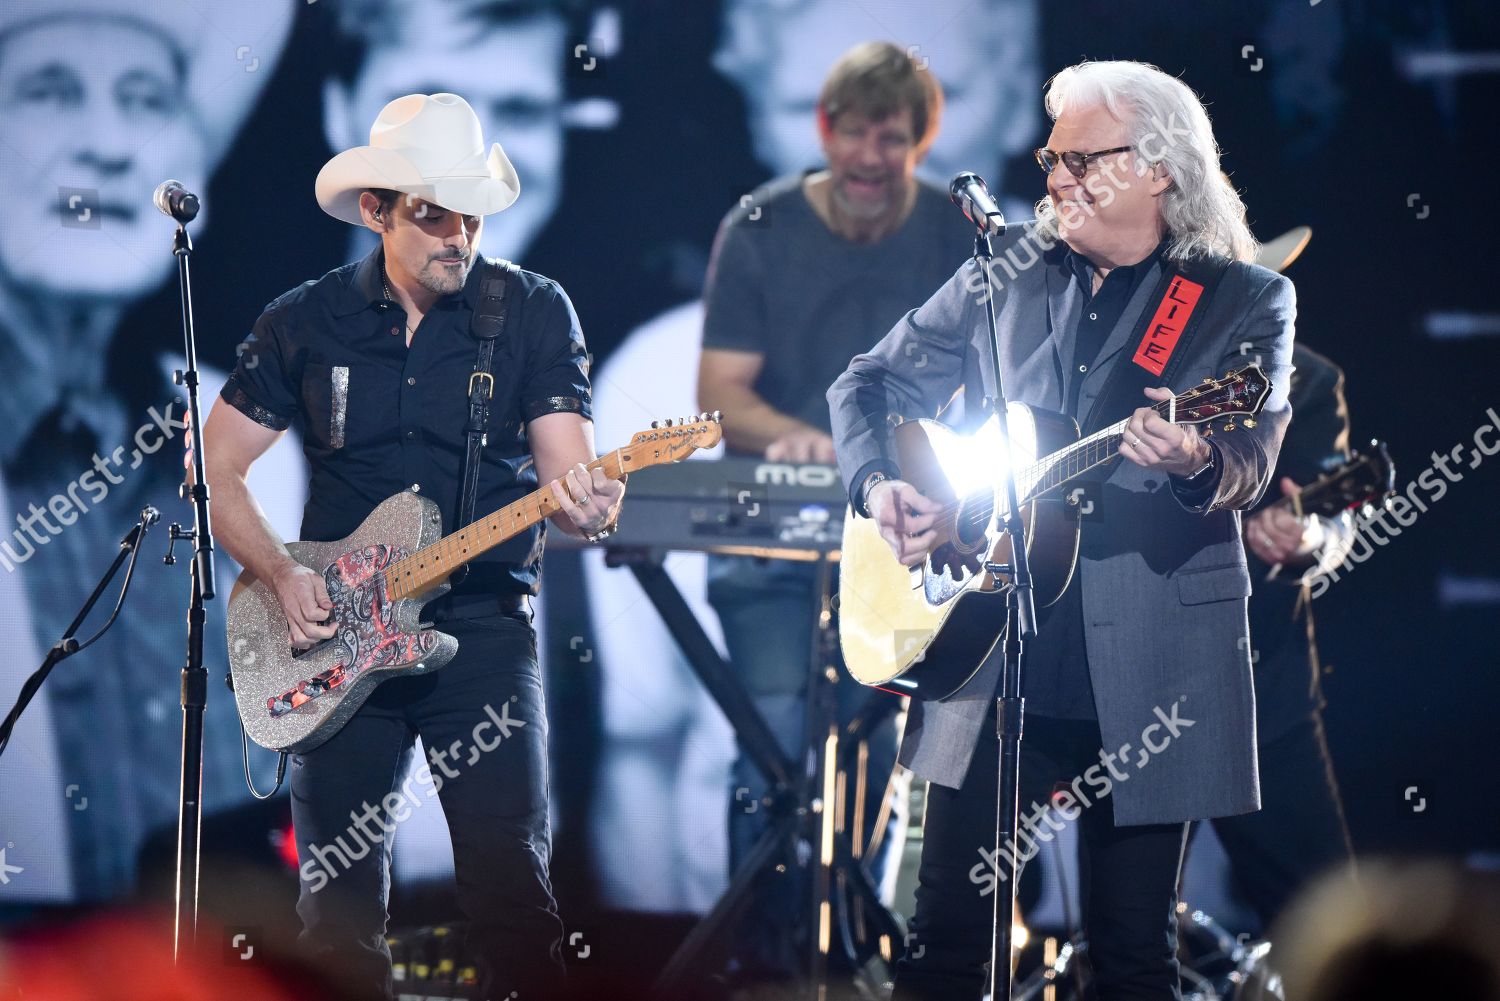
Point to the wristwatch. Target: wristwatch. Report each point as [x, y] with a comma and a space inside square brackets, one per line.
[603, 533]
[869, 484]
[1204, 469]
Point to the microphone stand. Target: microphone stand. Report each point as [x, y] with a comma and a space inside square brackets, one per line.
[194, 675]
[1020, 629]
[67, 644]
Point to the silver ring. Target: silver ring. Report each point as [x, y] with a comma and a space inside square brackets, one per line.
[1135, 441]
[583, 500]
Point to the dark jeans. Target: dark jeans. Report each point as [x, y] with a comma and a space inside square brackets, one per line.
[766, 608]
[1129, 876]
[483, 723]
[1299, 831]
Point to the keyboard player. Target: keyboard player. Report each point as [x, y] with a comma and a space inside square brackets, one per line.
[806, 272]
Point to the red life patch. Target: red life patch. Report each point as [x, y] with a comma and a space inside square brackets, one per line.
[1167, 325]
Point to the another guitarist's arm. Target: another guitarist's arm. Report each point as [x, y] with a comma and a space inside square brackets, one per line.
[1319, 433]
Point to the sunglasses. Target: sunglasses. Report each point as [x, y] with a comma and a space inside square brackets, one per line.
[1077, 163]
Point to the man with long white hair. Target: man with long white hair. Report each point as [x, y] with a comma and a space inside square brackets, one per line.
[1134, 282]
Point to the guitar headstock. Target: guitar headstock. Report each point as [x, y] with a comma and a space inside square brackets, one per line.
[1368, 478]
[672, 441]
[1238, 395]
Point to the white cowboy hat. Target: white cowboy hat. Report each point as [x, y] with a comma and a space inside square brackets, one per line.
[427, 146]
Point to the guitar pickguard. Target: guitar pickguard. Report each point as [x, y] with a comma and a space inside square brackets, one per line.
[368, 633]
[953, 564]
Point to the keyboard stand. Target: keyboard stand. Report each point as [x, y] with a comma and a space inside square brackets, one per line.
[798, 792]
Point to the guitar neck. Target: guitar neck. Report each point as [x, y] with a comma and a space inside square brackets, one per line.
[1239, 395]
[1069, 463]
[433, 564]
[1358, 481]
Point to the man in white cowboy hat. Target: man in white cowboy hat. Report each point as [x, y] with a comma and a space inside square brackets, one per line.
[372, 362]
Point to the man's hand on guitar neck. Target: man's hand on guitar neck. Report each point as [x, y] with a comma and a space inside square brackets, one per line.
[1153, 443]
[304, 600]
[589, 498]
[904, 518]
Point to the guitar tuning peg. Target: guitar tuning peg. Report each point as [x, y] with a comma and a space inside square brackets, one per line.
[655, 425]
[718, 415]
[1249, 422]
[1208, 432]
[1208, 380]
[1229, 425]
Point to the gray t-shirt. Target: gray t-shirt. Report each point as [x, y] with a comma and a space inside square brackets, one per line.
[784, 285]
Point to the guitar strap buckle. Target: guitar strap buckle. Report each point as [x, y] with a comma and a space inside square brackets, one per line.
[487, 379]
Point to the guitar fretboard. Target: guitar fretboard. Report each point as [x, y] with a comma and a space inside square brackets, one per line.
[1066, 463]
[433, 564]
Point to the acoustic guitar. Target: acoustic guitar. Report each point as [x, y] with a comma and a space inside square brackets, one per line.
[925, 630]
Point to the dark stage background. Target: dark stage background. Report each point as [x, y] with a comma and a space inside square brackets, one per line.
[1370, 122]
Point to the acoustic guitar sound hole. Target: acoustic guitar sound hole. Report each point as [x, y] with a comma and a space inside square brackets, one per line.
[973, 519]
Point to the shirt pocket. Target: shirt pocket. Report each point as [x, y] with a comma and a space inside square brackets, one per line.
[342, 403]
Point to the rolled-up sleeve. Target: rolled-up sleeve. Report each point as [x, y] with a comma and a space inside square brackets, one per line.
[558, 370]
[261, 386]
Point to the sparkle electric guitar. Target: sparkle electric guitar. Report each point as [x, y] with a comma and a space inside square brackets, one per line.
[378, 579]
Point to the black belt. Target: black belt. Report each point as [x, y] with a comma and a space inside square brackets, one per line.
[477, 606]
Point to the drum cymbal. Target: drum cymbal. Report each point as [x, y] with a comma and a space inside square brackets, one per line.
[1277, 254]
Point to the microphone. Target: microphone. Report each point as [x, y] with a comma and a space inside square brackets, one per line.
[176, 201]
[970, 194]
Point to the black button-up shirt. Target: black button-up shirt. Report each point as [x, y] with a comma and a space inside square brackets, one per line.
[377, 417]
[1057, 669]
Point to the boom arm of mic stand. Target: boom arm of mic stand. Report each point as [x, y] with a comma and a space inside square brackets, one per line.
[68, 644]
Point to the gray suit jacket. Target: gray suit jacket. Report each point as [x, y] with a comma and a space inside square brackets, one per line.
[1163, 573]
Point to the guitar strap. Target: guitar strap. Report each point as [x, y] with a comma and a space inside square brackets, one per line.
[1161, 338]
[486, 326]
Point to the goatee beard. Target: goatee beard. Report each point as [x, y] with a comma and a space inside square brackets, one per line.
[445, 280]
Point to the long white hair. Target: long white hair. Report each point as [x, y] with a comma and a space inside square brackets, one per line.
[1168, 125]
